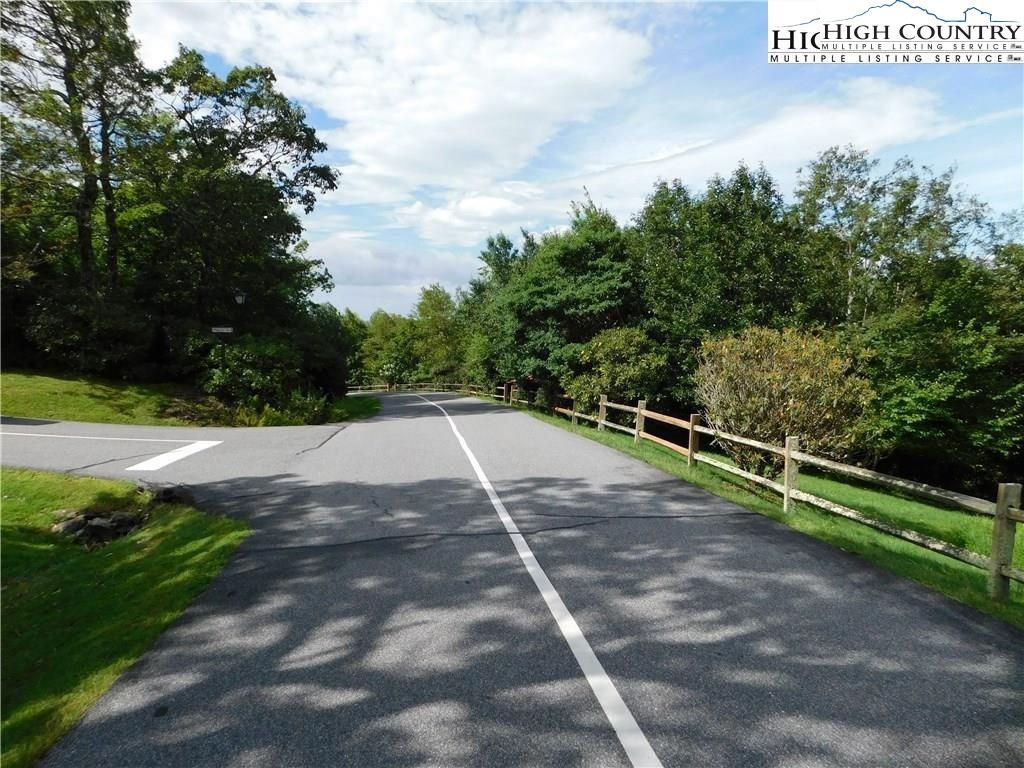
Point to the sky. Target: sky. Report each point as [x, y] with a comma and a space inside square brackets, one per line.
[450, 122]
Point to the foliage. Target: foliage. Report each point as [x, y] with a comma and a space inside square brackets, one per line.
[768, 384]
[132, 223]
[437, 343]
[949, 370]
[577, 284]
[252, 368]
[621, 363]
[74, 620]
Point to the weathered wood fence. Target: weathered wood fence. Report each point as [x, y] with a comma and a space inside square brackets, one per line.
[1005, 511]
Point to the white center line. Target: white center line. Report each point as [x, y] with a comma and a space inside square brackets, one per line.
[161, 461]
[638, 749]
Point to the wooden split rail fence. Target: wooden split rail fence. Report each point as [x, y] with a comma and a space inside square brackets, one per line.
[1006, 510]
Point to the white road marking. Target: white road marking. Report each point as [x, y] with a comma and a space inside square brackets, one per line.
[161, 461]
[88, 437]
[638, 749]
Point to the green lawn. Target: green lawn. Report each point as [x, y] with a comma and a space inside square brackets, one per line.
[71, 398]
[354, 407]
[958, 580]
[74, 620]
[79, 399]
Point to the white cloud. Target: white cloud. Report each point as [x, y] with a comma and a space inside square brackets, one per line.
[364, 267]
[871, 113]
[442, 95]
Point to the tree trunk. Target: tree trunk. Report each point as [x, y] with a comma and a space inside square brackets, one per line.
[84, 207]
[89, 192]
[109, 208]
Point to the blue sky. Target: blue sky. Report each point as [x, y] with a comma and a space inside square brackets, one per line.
[453, 121]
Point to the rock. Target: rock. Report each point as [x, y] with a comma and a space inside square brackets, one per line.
[69, 526]
[92, 527]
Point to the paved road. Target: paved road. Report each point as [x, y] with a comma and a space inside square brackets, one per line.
[382, 615]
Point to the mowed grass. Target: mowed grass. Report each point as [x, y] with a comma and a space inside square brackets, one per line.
[352, 407]
[958, 580]
[74, 620]
[71, 398]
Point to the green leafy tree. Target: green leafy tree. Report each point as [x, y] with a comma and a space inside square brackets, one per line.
[577, 284]
[437, 344]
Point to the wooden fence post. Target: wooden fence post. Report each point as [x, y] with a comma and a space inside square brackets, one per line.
[575, 420]
[639, 419]
[693, 445]
[1003, 533]
[791, 473]
[602, 412]
[506, 393]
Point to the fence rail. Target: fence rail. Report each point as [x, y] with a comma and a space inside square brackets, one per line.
[1005, 511]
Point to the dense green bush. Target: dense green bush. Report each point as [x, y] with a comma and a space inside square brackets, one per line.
[622, 363]
[252, 369]
[769, 384]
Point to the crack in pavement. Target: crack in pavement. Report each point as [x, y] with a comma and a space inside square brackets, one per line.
[324, 441]
[738, 513]
[110, 461]
[427, 535]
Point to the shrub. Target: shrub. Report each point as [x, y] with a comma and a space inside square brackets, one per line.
[621, 363]
[768, 384]
[252, 368]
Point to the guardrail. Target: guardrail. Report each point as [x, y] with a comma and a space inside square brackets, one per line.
[1005, 511]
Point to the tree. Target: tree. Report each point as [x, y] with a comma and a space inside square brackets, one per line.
[437, 345]
[578, 284]
[388, 350]
[72, 77]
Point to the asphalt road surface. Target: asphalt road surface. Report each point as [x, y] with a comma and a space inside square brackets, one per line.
[489, 590]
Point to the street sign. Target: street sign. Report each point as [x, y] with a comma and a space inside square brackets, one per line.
[222, 329]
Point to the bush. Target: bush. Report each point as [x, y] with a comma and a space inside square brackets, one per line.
[768, 384]
[621, 363]
[264, 370]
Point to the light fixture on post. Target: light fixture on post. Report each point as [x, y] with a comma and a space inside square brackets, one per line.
[239, 297]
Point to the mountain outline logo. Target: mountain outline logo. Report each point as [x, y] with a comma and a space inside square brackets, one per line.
[911, 6]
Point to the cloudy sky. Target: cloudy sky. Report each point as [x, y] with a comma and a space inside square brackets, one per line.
[453, 121]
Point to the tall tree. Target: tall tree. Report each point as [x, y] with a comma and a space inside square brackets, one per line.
[71, 76]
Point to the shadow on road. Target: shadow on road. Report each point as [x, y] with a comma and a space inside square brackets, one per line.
[359, 628]
[21, 421]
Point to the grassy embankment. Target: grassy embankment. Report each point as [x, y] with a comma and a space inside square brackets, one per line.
[74, 619]
[72, 398]
[958, 580]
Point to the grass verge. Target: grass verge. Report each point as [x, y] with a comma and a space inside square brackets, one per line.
[958, 580]
[71, 398]
[75, 619]
[350, 408]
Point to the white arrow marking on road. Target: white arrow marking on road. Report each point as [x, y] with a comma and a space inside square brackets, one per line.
[161, 461]
[638, 749]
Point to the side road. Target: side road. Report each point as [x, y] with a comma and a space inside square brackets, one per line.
[382, 615]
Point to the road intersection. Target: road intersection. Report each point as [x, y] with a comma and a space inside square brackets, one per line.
[455, 583]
